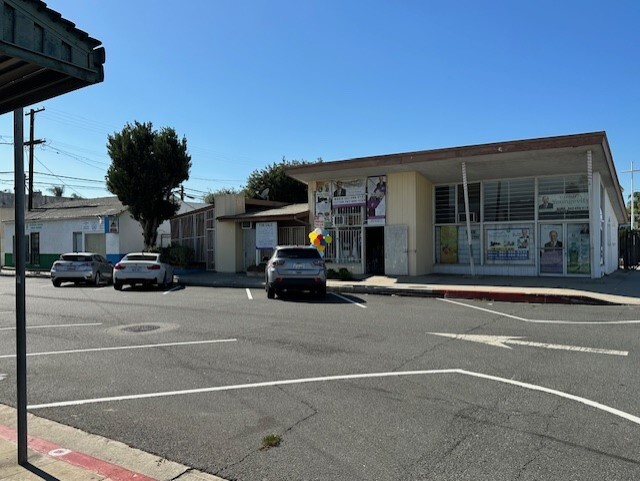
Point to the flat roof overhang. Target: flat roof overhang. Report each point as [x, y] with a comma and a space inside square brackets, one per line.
[501, 160]
[42, 55]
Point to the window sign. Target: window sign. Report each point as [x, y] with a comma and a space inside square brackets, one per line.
[578, 201]
[266, 235]
[551, 260]
[508, 244]
[449, 244]
[376, 200]
[347, 193]
[579, 249]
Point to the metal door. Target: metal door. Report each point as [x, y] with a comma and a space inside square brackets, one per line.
[396, 248]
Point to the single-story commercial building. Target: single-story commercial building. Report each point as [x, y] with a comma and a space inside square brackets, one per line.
[537, 207]
[239, 232]
[102, 225]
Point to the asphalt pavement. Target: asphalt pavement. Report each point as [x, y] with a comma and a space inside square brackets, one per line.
[57, 452]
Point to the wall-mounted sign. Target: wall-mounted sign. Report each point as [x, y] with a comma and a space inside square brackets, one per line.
[266, 235]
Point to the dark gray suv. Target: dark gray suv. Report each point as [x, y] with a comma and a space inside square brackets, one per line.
[295, 268]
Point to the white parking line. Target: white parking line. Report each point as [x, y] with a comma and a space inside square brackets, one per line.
[120, 348]
[538, 321]
[349, 300]
[53, 326]
[532, 387]
[249, 294]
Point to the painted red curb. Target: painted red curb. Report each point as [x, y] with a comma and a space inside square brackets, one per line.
[84, 461]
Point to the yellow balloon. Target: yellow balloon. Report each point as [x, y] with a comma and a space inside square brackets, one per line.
[320, 247]
[328, 239]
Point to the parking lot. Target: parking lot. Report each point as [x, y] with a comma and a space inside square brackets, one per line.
[356, 386]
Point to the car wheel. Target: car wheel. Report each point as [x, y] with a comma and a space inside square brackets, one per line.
[56, 282]
[271, 292]
[117, 285]
[98, 279]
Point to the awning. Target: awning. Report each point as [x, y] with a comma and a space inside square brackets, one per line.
[42, 55]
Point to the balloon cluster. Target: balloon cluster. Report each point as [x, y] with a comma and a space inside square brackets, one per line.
[320, 238]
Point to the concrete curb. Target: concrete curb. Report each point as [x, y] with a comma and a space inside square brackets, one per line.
[488, 294]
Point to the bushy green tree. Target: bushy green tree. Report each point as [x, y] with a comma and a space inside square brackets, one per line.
[147, 165]
[281, 187]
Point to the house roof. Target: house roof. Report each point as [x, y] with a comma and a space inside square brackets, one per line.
[77, 208]
[287, 212]
[42, 55]
[560, 155]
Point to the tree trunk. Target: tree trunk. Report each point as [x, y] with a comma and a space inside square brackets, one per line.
[149, 233]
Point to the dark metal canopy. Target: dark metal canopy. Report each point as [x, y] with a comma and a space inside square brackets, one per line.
[42, 55]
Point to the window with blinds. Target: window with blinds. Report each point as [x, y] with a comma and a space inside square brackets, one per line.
[509, 200]
[560, 191]
[446, 204]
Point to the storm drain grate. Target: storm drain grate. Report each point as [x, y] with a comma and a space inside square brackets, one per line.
[141, 328]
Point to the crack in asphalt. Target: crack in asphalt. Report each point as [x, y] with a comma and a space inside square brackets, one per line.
[289, 429]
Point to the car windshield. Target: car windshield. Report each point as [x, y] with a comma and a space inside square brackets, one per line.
[76, 258]
[297, 254]
[143, 257]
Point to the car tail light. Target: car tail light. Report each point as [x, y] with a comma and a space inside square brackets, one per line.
[154, 267]
[277, 263]
[118, 267]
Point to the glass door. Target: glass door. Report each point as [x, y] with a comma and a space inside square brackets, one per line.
[552, 259]
[578, 249]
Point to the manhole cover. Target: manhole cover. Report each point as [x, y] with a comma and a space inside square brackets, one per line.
[141, 328]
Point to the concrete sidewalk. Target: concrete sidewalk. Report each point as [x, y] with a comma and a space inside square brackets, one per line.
[621, 287]
[62, 453]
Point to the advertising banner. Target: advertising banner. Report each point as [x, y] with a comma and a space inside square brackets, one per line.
[376, 200]
[508, 244]
[449, 244]
[578, 201]
[266, 235]
[349, 193]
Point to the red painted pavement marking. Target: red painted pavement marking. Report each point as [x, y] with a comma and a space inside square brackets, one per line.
[104, 468]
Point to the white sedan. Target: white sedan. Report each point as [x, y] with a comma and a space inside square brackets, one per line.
[142, 268]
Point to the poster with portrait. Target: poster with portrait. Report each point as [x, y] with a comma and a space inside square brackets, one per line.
[449, 244]
[349, 193]
[508, 244]
[376, 200]
[578, 249]
[551, 252]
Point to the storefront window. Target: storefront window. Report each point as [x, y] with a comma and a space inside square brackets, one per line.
[509, 200]
[563, 197]
[509, 244]
[452, 245]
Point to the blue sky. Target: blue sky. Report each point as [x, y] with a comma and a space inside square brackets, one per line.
[250, 82]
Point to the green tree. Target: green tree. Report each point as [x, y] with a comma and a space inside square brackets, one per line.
[280, 186]
[636, 208]
[146, 166]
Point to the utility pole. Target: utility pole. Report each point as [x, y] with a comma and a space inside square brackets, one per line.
[632, 196]
[31, 143]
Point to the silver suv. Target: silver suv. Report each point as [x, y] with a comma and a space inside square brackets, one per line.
[295, 268]
[85, 267]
